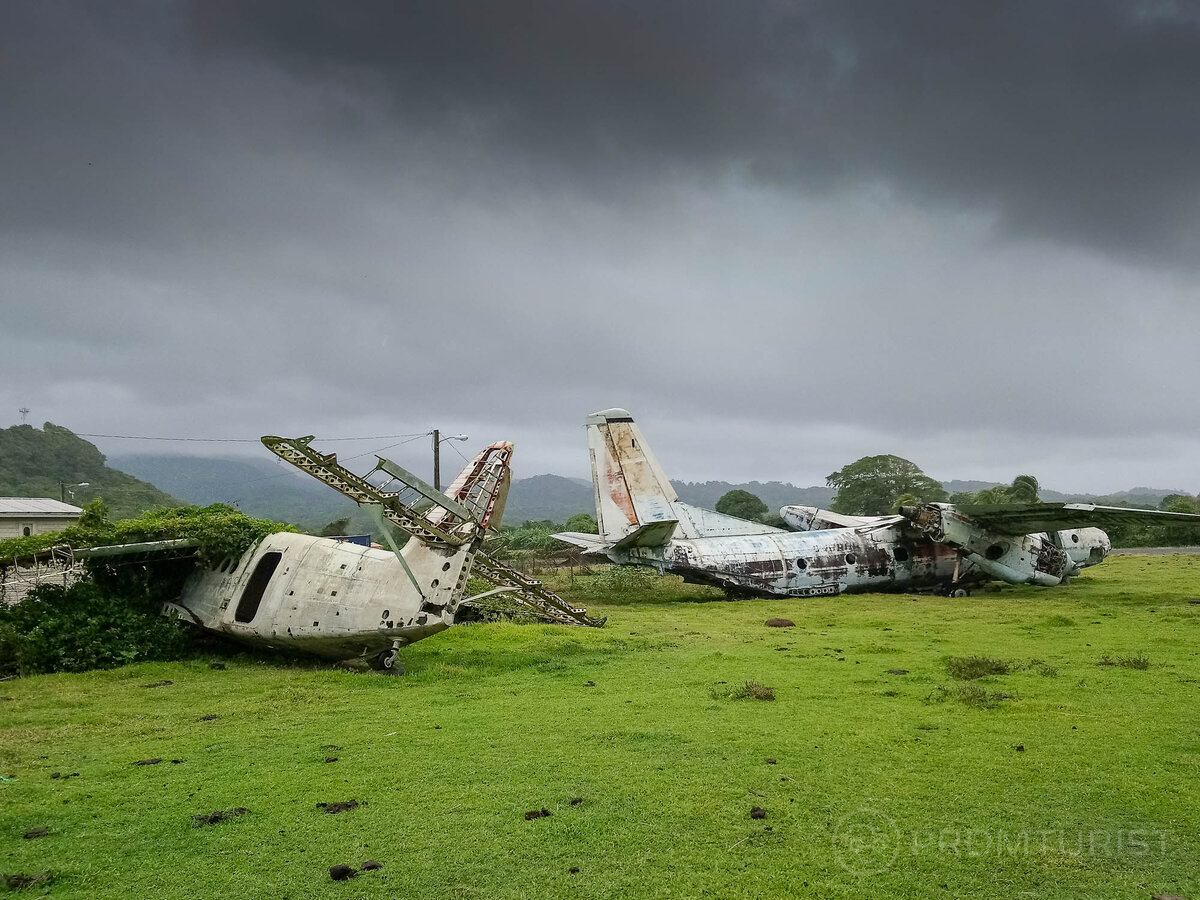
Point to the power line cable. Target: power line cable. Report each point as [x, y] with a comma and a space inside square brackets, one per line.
[144, 437]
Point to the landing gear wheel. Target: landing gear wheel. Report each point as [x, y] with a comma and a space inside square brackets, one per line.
[958, 592]
[388, 662]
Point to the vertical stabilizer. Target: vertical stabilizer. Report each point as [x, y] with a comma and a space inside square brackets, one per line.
[634, 495]
[631, 488]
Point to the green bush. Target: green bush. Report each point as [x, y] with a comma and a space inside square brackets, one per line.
[93, 624]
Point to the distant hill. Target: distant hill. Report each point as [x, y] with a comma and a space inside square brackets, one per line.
[33, 461]
[258, 487]
[557, 499]
[274, 490]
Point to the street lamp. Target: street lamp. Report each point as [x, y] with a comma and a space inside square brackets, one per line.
[437, 455]
[62, 489]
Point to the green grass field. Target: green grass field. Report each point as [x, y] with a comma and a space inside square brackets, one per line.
[1061, 778]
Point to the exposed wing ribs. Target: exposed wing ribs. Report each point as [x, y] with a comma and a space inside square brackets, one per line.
[475, 499]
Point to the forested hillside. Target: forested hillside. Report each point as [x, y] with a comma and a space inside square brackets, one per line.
[34, 461]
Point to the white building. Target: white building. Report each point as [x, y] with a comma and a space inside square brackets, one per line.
[23, 516]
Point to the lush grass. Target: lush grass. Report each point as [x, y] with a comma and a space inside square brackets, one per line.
[883, 785]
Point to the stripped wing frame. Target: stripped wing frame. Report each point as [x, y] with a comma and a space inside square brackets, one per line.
[476, 488]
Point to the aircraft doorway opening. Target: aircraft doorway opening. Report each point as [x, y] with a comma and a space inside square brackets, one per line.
[247, 607]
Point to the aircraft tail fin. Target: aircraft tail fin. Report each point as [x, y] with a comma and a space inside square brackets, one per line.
[635, 502]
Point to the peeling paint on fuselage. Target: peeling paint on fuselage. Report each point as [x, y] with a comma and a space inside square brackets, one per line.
[806, 564]
[828, 562]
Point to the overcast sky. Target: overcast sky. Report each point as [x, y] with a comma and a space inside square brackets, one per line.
[784, 235]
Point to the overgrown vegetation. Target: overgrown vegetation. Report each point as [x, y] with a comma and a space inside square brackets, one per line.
[750, 690]
[110, 620]
[970, 694]
[1137, 661]
[967, 668]
[219, 531]
[112, 615]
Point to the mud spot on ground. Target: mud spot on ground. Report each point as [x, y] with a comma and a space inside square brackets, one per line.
[219, 815]
[148, 762]
[758, 813]
[340, 806]
[770, 762]
[574, 870]
[342, 873]
[61, 775]
[780, 623]
[575, 801]
[15, 882]
[208, 718]
[330, 747]
[589, 684]
[897, 671]
[371, 865]
[330, 759]
[537, 814]
[36, 833]
[158, 684]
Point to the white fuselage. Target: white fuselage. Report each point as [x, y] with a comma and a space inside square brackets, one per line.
[836, 560]
[327, 597]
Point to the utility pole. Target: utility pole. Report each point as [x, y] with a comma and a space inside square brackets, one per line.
[437, 453]
[437, 460]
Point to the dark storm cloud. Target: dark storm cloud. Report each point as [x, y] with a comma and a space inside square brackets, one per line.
[769, 230]
[1074, 120]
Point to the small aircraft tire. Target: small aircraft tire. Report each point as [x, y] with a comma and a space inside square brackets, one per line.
[958, 592]
[388, 662]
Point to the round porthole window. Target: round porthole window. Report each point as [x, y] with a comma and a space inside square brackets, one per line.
[850, 557]
[801, 565]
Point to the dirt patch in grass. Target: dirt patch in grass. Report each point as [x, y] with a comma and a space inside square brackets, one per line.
[219, 815]
[968, 668]
[158, 684]
[780, 623]
[148, 762]
[758, 813]
[371, 865]
[342, 873]
[16, 882]
[751, 690]
[537, 814]
[340, 806]
[36, 833]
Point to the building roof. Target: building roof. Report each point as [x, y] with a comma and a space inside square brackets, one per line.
[37, 506]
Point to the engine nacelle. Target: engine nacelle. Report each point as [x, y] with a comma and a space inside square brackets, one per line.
[1017, 559]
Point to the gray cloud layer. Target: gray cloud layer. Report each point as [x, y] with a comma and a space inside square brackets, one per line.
[785, 235]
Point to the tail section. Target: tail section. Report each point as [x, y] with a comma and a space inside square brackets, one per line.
[635, 502]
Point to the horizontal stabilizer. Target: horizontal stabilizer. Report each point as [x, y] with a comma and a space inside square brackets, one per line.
[653, 535]
[581, 539]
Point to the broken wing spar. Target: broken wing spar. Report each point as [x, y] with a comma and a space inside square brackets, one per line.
[448, 519]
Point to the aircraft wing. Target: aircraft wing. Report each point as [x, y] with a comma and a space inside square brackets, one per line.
[1030, 518]
[588, 542]
[879, 524]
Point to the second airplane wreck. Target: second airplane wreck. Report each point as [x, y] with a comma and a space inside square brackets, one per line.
[932, 547]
